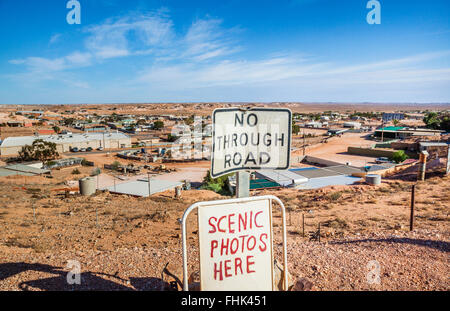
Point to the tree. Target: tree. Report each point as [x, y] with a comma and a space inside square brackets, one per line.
[216, 184]
[158, 125]
[295, 128]
[399, 156]
[69, 121]
[172, 138]
[56, 129]
[437, 121]
[431, 120]
[40, 150]
[190, 120]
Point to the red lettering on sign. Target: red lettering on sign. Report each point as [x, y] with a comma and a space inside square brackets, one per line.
[243, 241]
[218, 224]
[237, 264]
[234, 242]
[252, 238]
[249, 263]
[227, 268]
[224, 246]
[214, 244]
[263, 248]
[256, 215]
[219, 271]
[213, 227]
[230, 223]
[241, 221]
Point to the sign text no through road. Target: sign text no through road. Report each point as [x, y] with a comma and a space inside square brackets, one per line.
[259, 138]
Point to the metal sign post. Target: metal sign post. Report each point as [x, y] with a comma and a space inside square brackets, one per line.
[242, 184]
[227, 260]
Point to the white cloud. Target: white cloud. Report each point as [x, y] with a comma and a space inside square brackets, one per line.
[54, 38]
[205, 56]
[206, 39]
[128, 35]
[299, 69]
[79, 59]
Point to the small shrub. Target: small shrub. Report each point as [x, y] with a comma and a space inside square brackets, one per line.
[159, 216]
[115, 165]
[96, 172]
[335, 196]
[76, 172]
[399, 156]
[337, 223]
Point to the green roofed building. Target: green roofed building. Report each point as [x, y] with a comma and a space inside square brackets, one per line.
[258, 184]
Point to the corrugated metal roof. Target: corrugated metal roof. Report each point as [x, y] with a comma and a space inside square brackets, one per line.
[26, 169]
[284, 178]
[4, 172]
[140, 187]
[317, 173]
[433, 144]
[345, 169]
[316, 183]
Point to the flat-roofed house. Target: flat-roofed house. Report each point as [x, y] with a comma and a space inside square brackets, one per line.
[64, 143]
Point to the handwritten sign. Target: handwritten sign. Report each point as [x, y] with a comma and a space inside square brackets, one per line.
[236, 246]
[259, 138]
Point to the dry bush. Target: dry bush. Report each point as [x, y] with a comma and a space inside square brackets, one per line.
[159, 216]
[337, 223]
[371, 201]
[334, 196]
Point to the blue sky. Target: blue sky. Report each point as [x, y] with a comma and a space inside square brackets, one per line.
[229, 50]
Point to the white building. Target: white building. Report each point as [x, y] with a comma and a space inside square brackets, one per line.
[353, 125]
[12, 145]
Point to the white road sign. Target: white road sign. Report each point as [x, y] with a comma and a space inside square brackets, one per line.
[235, 242]
[258, 138]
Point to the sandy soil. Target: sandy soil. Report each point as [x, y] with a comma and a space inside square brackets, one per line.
[124, 242]
[336, 149]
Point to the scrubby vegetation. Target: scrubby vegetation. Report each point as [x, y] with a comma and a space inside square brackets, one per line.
[218, 185]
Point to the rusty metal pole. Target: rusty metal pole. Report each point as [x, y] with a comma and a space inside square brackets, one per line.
[411, 219]
[303, 224]
[422, 165]
[319, 232]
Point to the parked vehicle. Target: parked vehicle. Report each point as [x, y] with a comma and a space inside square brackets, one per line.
[74, 149]
[383, 160]
[89, 149]
[83, 150]
[100, 148]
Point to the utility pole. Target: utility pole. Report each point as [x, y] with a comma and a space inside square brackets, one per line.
[149, 188]
[304, 143]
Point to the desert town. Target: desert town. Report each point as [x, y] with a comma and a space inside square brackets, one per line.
[106, 185]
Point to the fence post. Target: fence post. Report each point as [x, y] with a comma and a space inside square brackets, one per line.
[319, 232]
[411, 219]
[303, 224]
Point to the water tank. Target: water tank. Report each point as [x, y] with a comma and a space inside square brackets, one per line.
[373, 179]
[87, 186]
